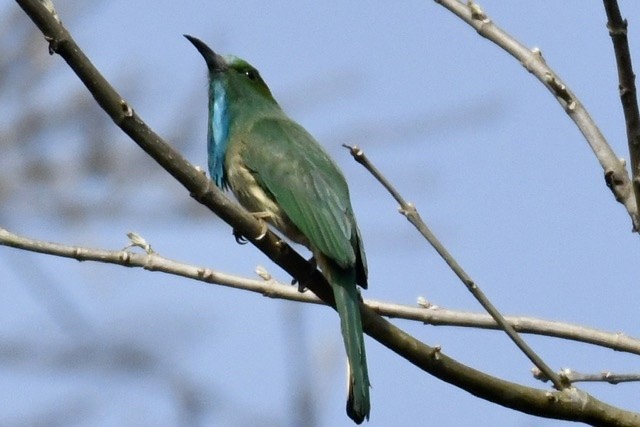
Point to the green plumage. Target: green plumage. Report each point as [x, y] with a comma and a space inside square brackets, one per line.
[307, 186]
[277, 169]
[314, 209]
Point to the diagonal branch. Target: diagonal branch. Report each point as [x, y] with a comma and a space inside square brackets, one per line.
[615, 174]
[628, 94]
[570, 404]
[412, 214]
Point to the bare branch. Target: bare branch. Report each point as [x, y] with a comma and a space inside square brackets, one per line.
[627, 85]
[411, 213]
[267, 286]
[615, 174]
[522, 324]
[570, 376]
[152, 261]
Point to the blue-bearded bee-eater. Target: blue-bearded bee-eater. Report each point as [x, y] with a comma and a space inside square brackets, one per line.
[280, 173]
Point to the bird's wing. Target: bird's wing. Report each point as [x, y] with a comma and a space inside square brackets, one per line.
[307, 185]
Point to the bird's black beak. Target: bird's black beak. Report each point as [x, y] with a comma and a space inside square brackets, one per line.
[214, 61]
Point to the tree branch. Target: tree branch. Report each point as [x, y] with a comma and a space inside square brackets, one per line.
[571, 376]
[570, 404]
[615, 174]
[627, 85]
[413, 216]
[269, 287]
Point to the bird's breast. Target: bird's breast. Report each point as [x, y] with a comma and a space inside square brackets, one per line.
[245, 187]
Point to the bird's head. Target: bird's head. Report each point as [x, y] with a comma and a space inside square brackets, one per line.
[235, 74]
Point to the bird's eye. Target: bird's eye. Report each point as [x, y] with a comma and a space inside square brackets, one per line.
[251, 74]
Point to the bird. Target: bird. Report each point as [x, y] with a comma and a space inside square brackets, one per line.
[282, 175]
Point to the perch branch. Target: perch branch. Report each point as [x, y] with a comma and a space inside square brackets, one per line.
[267, 286]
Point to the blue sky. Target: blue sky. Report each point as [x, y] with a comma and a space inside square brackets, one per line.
[490, 159]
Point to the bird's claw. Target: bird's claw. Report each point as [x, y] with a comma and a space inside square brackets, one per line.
[260, 217]
[263, 230]
[240, 239]
[313, 262]
[301, 286]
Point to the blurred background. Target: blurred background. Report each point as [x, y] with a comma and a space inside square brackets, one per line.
[495, 166]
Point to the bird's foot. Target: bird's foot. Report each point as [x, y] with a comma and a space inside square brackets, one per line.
[313, 262]
[240, 239]
[261, 217]
[301, 287]
[314, 266]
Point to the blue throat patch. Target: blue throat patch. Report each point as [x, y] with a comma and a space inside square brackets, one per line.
[218, 133]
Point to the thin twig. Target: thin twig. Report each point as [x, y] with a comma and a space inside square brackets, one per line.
[411, 213]
[152, 261]
[570, 376]
[615, 174]
[267, 286]
[627, 85]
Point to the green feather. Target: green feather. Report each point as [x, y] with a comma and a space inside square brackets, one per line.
[347, 303]
[309, 188]
[311, 191]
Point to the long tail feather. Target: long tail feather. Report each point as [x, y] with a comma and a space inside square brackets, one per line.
[347, 304]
